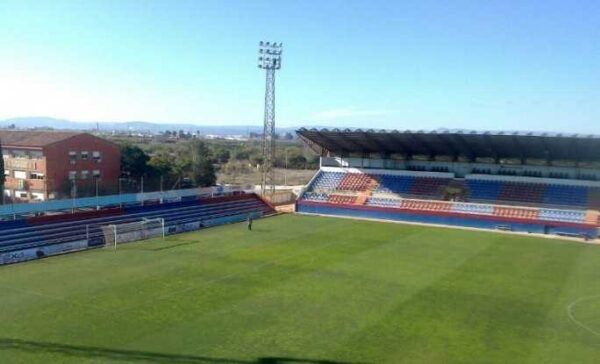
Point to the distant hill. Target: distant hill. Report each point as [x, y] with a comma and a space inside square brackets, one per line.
[139, 126]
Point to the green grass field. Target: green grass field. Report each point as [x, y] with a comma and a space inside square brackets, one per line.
[310, 289]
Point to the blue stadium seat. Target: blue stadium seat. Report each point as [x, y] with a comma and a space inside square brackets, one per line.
[326, 181]
[484, 190]
[566, 195]
[383, 202]
[395, 184]
[562, 215]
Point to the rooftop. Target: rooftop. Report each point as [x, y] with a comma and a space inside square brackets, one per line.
[33, 139]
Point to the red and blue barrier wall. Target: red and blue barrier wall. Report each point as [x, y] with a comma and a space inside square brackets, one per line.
[448, 218]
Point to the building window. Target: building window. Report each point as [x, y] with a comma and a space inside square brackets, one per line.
[21, 194]
[72, 157]
[36, 175]
[6, 173]
[97, 156]
[84, 156]
[72, 175]
[18, 153]
[85, 174]
[36, 154]
[96, 173]
[39, 196]
[20, 174]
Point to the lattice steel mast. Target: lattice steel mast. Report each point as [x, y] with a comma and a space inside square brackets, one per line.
[269, 59]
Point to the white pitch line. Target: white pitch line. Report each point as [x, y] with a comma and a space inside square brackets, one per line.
[577, 322]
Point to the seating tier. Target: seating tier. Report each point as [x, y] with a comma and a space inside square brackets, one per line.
[503, 198]
[542, 194]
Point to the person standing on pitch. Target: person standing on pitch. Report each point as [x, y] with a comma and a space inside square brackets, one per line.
[249, 223]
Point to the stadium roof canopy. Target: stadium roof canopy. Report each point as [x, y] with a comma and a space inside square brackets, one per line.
[455, 143]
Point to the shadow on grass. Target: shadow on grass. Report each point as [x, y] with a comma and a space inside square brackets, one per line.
[40, 347]
[190, 242]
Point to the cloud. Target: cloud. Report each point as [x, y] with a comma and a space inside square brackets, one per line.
[349, 113]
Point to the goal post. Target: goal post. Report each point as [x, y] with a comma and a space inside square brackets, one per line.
[132, 231]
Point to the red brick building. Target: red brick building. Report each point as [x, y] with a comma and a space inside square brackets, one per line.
[42, 165]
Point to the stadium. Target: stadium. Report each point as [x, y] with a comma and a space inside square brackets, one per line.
[406, 246]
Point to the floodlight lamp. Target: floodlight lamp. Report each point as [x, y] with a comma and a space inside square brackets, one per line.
[261, 43]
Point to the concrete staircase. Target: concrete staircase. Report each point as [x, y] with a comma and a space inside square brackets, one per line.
[592, 217]
[364, 196]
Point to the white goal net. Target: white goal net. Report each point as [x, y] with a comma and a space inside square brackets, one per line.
[132, 231]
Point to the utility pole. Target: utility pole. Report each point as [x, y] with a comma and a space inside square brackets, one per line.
[73, 193]
[97, 197]
[269, 59]
[142, 183]
[120, 193]
[286, 167]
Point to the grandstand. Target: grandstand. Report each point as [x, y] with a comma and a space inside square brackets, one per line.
[39, 236]
[540, 183]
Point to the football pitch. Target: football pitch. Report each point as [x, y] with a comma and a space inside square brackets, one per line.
[308, 289]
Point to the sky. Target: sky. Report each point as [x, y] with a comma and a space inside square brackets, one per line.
[485, 65]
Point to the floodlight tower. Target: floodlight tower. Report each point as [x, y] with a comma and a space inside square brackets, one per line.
[269, 59]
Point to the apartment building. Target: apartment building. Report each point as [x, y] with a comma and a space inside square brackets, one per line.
[42, 165]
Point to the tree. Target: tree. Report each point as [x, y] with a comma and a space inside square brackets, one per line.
[203, 173]
[134, 161]
[234, 169]
[297, 161]
[256, 160]
[222, 155]
[2, 177]
[202, 169]
[162, 165]
[241, 155]
[313, 162]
